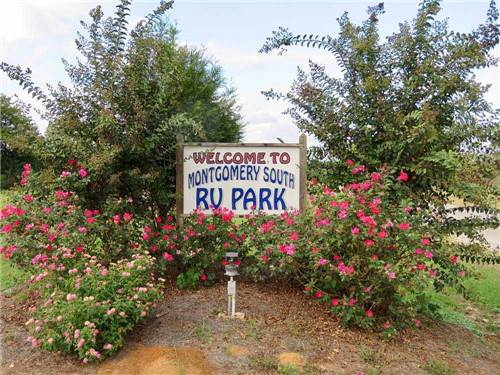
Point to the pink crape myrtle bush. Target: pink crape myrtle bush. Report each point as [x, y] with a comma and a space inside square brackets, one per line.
[91, 281]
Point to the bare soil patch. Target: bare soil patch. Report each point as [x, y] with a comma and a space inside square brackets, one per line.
[190, 333]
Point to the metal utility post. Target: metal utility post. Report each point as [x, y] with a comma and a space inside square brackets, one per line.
[231, 271]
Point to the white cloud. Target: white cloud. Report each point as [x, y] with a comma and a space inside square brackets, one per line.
[240, 58]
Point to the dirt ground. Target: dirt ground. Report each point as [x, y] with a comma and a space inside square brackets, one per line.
[281, 325]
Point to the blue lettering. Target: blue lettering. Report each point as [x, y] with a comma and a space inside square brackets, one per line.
[236, 195]
[212, 199]
[201, 197]
[249, 198]
[279, 198]
[264, 195]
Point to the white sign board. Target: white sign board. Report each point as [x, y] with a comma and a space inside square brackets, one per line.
[242, 177]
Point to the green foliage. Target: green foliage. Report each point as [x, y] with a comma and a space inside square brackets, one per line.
[198, 249]
[410, 102]
[131, 94]
[90, 282]
[90, 312]
[368, 256]
[20, 141]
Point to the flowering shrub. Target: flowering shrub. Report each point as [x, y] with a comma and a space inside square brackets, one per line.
[88, 309]
[368, 257]
[39, 225]
[92, 282]
[198, 248]
[363, 250]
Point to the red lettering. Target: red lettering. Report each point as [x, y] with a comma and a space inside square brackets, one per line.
[260, 158]
[227, 158]
[210, 157]
[274, 155]
[237, 158]
[199, 157]
[285, 158]
[250, 158]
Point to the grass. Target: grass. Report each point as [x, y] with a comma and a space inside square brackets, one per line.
[252, 329]
[263, 363]
[435, 367]
[479, 314]
[10, 275]
[484, 287]
[203, 332]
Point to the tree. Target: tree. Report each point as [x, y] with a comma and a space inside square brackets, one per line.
[131, 94]
[19, 140]
[411, 102]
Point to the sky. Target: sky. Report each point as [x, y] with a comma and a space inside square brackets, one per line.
[37, 34]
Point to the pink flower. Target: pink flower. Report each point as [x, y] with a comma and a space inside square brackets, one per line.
[376, 176]
[294, 236]
[318, 294]
[425, 241]
[82, 230]
[335, 302]
[168, 257]
[369, 313]
[387, 325]
[349, 162]
[391, 275]
[128, 216]
[461, 273]
[404, 226]
[322, 262]
[352, 302]
[417, 322]
[453, 259]
[287, 249]
[65, 174]
[76, 334]
[116, 219]
[419, 251]
[342, 214]
[322, 222]
[80, 343]
[70, 297]
[82, 172]
[107, 347]
[355, 230]
[403, 176]
[369, 242]
[203, 277]
[428, 254]
[382, 234]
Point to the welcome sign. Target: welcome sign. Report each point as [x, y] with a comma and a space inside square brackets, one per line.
[268, 177]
